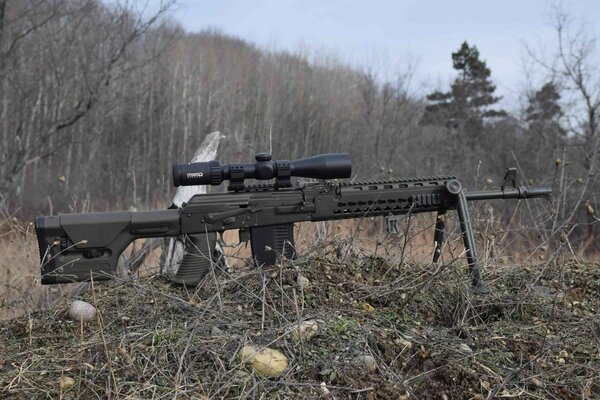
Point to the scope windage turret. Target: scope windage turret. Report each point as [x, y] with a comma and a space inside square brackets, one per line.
[324, 166]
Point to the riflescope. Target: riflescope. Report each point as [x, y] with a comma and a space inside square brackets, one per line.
[323, 166]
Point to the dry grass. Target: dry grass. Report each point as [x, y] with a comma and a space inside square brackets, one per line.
[21, 292]
[535, 335]
[20, 288]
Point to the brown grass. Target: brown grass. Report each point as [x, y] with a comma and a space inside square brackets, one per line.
[534, 335]
[21, 291]
[20, 288]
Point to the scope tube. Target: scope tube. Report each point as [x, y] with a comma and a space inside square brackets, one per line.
[323, 166]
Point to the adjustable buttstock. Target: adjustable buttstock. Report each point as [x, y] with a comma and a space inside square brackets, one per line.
[270, 243]
[81, 247]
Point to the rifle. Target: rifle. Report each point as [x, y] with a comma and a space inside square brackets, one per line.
[81, 247]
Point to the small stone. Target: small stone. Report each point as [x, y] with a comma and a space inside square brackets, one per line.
[266, 362]
[406, 344]
[216, 331]
[324, 389]
[303, 281]
[240, 375]
[465, 348]
[535, 382]
[66, 382]
[367, 361]
[304, 331]
[368, 308]
[561, 361]
[81, 311]
[563, 354]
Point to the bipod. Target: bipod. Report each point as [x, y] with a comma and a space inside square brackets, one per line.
[454, 187]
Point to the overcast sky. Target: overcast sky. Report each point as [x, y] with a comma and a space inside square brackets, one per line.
[388, 34]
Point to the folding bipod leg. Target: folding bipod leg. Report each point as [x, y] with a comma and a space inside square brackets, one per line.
[455, 187]
[469, 241]
[438, 236]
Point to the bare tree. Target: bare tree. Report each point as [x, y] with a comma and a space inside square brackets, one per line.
[59, 58]
[574, 67]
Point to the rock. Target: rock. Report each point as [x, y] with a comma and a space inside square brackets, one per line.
[368, 308]
[240, 376]
[324, 389]
[66, 382]
[563, 354]
[216, 331]
[303, 281]
[304, 331]
[406, 344]
[367, 361]
[535, 382]
[266, 362]
[465, 348]
[81, 311]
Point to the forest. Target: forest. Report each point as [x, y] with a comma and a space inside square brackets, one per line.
[97, 100]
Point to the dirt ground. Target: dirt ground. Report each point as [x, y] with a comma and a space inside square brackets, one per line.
[534, 334]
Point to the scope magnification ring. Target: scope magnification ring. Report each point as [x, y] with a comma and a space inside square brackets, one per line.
[215, 173]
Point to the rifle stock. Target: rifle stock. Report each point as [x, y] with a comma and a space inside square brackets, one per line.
[79, 247]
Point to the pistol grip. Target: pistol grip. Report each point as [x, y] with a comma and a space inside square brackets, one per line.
[271, 242]
[198, 257]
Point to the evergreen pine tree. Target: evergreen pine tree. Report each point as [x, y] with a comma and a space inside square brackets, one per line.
[470, 97]
[544, 112]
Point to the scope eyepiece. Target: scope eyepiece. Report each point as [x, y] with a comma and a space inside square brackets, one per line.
[324, 166]
[201, 173]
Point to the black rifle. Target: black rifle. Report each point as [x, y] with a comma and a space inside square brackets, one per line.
[79, 247]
